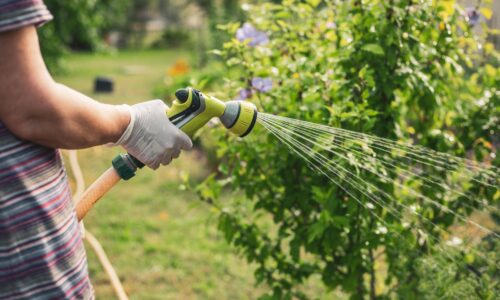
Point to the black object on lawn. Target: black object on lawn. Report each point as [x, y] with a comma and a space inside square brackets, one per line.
[103, 85]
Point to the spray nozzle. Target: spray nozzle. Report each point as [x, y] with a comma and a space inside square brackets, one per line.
[193, 109]
[239, 117]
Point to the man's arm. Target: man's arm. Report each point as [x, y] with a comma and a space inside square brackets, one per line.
[36, 108]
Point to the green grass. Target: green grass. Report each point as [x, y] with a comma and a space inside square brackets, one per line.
[135, 73]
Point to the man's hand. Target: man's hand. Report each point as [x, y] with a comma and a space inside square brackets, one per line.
[151, 137]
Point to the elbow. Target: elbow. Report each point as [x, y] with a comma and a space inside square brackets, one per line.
[27, 116]
[22, 127]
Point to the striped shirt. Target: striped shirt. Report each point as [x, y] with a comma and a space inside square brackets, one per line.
[18, 13]
[41, 250]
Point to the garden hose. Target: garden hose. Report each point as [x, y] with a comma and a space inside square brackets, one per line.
[189, 112]
[89, 237]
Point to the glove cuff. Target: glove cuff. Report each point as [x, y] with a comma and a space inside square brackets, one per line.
[126, 134]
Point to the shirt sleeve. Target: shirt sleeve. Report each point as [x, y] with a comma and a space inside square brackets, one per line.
[19, 13]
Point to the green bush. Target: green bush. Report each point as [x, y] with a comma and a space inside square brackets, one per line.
[478, 279]
[79, 25]
[174, 38]
[402, 69]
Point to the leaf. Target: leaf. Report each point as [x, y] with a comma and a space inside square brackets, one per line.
[216, 52]
[283, 24]
[370, 112]
[295, 249]
[487, 13]
[184, 176]
[313, 3]
[316, 230]
[447, 8]
[340, 221]
[233, 61]
[490, 70]
[496, 196]
[489, 48]
[373, 48]
[469, 258]
[346, 115]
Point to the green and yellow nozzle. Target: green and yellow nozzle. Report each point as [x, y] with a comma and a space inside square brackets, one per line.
[189, 112]
[192, 110]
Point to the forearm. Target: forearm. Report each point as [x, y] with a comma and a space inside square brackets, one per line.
[60, 117]
[37, 109]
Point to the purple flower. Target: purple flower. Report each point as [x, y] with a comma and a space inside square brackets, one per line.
[331, 25]
[262, 84]
[255, 37]
[472, 16]
[244, 94]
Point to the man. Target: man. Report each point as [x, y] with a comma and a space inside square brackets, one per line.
[41, 251]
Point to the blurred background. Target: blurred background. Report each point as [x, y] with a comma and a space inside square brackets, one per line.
[162, 240]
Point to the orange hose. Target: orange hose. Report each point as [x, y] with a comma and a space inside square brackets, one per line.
[95, 192]
[89, 198]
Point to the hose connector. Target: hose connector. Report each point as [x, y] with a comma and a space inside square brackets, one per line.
[126, 165]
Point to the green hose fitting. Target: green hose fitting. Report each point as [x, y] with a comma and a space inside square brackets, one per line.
[126, 165]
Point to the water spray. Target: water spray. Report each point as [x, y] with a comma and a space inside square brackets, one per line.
[334, 152]
[189, 112]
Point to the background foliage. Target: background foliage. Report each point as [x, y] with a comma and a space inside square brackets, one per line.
[84, 25]
[79, 25]
[403, 69]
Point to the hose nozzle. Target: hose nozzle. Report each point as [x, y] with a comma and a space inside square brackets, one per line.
[193, 109]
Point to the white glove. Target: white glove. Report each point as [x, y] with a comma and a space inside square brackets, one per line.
[151, 137]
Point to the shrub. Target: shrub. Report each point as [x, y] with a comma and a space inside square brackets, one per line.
[402, 69]
[78, 25]
[174, 38]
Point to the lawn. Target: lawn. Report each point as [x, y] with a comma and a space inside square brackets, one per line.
[162, 241]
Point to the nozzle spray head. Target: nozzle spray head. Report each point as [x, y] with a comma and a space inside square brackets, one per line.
[192, 110]
[239, 117]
